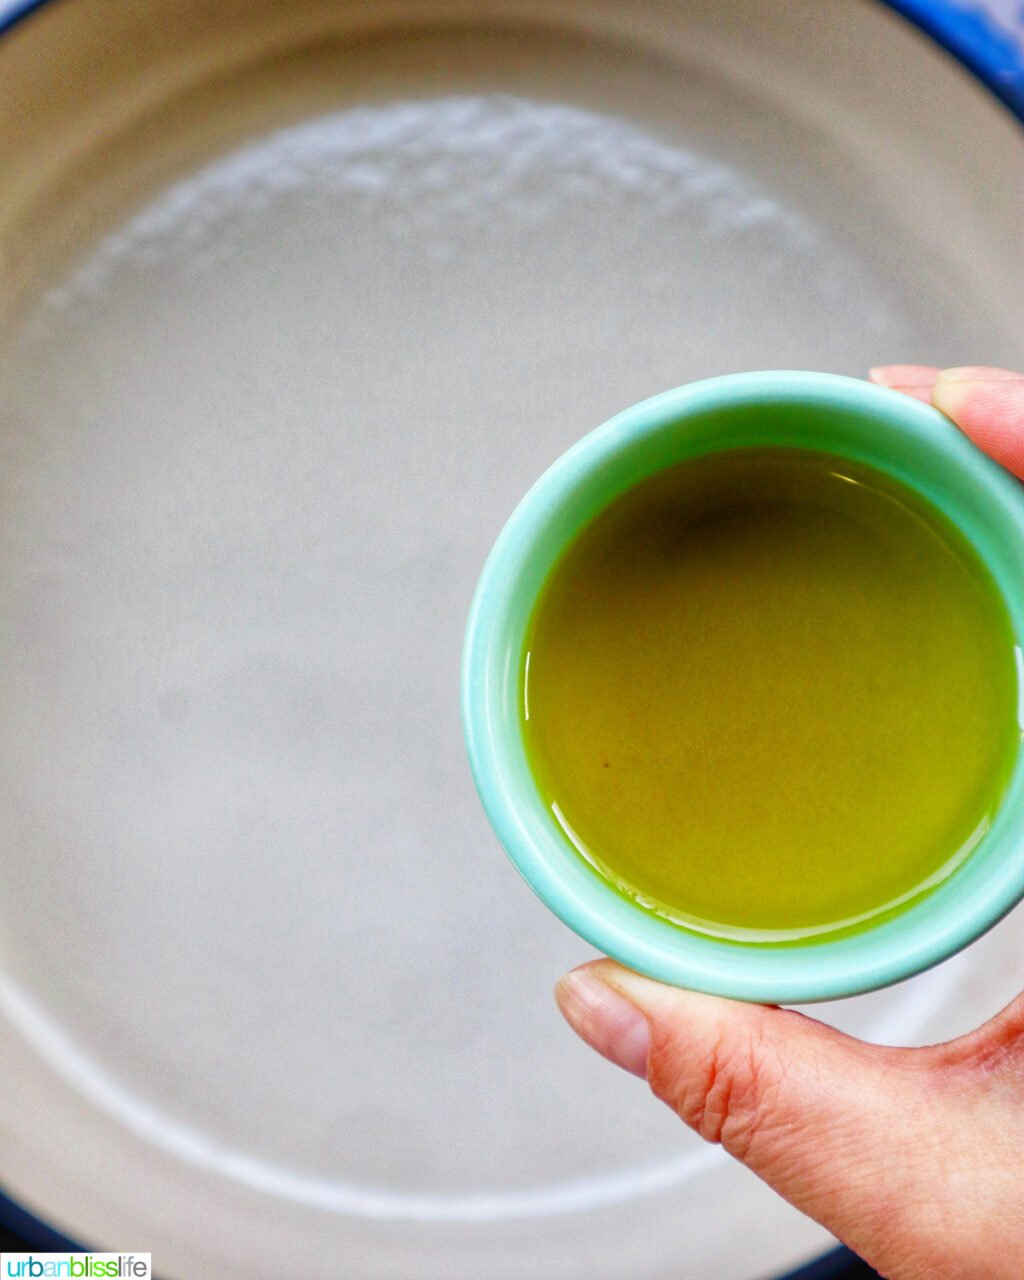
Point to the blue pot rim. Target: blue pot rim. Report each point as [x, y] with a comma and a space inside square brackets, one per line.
[973, 39]
[976, 40]
[19, 12]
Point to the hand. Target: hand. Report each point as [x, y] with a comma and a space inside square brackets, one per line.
[912, 1157]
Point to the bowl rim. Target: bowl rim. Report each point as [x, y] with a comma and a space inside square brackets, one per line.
[928, 930]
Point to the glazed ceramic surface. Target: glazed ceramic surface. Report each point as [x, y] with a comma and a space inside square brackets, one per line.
[850, 419]
[297, 300]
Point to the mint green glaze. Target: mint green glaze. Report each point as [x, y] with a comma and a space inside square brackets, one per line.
[853, 419]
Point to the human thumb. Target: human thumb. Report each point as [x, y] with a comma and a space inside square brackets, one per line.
[988, 406]
[838, 1127]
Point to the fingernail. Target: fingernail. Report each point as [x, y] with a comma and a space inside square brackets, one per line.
[956, 390]
[899, 376]
[605, 1020]
[919, 391]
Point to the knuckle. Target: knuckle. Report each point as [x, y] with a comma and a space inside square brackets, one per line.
[726, 1096]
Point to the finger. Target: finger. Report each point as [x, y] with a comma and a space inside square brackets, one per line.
[988, 406]
[832, 1124]
[914, 380]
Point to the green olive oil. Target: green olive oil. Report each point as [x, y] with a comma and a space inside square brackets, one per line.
[770, 694]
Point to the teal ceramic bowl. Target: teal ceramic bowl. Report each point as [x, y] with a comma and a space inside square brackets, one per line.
[854, 420]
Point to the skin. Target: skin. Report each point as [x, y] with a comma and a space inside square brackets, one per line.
[912, 1157]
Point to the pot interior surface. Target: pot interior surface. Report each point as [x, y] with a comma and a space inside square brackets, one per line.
[299, 300]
